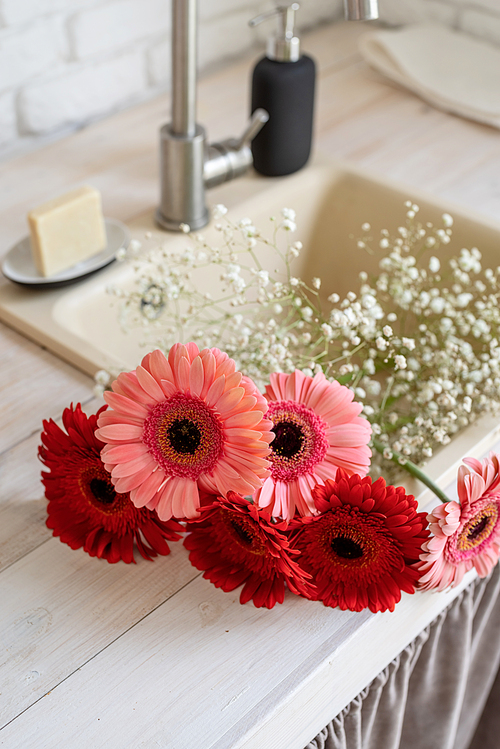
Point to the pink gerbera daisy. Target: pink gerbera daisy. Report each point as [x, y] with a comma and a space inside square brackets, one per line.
[317, 429]
[466, 535]
[184, 423]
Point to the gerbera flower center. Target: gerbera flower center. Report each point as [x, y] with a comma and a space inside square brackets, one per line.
[244, 532]
[354, 543]
[478, 531]
[288, 440]
[184, 436]
[103, 491]
[300, 441]
[346, 548]
[95, 484]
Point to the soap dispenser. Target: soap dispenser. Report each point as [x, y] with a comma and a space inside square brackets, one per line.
[283, 84]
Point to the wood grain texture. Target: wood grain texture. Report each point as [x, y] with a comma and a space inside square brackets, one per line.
[96, 655]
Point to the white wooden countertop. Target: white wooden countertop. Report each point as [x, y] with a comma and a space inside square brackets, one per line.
[151, 655]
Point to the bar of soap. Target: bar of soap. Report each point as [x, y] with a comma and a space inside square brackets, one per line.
[66, 230]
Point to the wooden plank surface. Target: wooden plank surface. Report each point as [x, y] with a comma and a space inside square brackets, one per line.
[92, 651]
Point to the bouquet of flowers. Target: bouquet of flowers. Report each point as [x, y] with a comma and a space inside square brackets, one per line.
[263, 440]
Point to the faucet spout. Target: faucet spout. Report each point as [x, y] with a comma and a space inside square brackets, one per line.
[184, 54]
[188, 165]
[361, 10]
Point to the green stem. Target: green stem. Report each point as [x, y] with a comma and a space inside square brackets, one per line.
[412, 469]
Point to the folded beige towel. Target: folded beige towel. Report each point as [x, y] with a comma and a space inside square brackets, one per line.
[449, 69]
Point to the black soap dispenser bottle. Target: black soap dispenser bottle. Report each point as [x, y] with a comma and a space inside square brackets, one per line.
[283, 84]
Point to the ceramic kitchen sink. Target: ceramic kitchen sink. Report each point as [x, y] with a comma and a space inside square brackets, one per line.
[80, 322]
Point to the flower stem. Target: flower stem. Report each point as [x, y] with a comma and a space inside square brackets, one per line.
[412, 469]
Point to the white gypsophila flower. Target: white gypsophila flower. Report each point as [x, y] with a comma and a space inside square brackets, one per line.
[437, 305]
[134, 246]
[263, 278]
[102, 377]
[288, 225]
[409, 343]
[288, 213]
[316, 283]
[327, 331]
[447, 220]
[219, 211]
[434, 264]
[447, 325]
[368, 301]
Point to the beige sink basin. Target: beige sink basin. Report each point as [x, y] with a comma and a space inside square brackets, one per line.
[80, 322]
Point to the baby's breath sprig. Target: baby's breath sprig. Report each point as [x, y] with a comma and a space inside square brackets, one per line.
[418, 342]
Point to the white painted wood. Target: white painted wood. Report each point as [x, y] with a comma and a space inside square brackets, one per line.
[201, 664]
[61, 607]
[122, 657]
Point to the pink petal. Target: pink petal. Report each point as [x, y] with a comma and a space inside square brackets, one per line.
[196, 377]
[128, 483]
[147, 490]
[182, 374]
[125, 405]
[208, 361]
[133, 466]
[215, 391]
[119, 453]
[120, 433]
[229, 400]
[149, 384]
[159, 367]
[244, 420]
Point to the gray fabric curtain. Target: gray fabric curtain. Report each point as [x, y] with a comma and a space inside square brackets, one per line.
[441, 692]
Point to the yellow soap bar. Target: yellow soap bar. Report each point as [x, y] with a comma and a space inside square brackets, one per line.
[66, 230]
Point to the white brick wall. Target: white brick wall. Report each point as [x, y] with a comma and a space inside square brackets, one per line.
[94, 90]
[64, 63]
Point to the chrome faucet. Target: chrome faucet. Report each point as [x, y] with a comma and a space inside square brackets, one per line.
[361, 10]
[188, 165]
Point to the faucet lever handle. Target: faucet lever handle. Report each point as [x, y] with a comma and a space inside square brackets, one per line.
[255, 125]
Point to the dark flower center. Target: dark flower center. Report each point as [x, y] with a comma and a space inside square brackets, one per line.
[184, 436]
[103, 491]
[241, 532]
[288, 440]
[478, 529]
[346, 548]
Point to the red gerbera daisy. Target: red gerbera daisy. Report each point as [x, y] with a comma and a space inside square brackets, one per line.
[236, 542]
[362, 547]
[84, 508]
